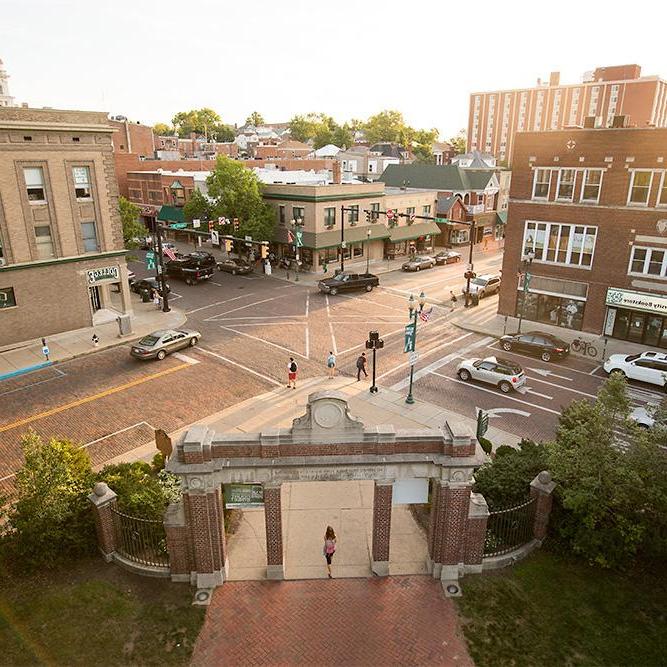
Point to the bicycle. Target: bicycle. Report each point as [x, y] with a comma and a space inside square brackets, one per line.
[584, 347]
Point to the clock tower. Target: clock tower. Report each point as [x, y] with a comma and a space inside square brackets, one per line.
[6, 100]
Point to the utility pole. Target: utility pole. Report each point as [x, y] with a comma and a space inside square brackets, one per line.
[469, 271]
[160, 269]
[342, 238]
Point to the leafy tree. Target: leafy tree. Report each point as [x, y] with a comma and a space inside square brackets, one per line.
[236, 193]
[424, 154]
[222, 132]
[51, 520]
[200, 121]
[386, 126]
[255, 118]
[460, 142]
[163, 130]
[133, 228]
[198, 206]
[505, 481]
[304, 127]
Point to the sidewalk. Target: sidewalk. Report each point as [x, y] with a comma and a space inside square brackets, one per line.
[21, 357]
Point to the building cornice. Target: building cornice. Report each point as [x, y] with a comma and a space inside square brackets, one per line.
[588, 207]
[322, 198]
[61, 260]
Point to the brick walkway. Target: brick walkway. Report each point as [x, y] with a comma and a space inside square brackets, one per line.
[389, 621]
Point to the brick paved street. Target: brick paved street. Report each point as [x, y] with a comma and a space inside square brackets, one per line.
[389, 621]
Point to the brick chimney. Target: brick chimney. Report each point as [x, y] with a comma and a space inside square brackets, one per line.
[337, 173]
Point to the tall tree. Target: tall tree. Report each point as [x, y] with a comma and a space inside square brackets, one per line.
[237, 193]
[255, 118]
[133, 228]
[200, 121]
[199, 206]
[460, 141]
[163, 130]
[387, 126]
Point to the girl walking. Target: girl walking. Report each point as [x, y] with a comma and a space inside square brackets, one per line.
[292, 369]
[329, 548]
[331, 365]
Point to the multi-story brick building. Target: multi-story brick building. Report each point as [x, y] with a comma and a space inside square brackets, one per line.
[494, 118]
[62, 262]
[132, 137]
[589, 206]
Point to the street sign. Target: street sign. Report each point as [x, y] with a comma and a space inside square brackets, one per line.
[178, 225]
[299, 238]
[215, 237]
[150, 260]
[409, 341]
[441, 220]
[482, 423]
[413, 358]
[390, 214]
[243, 495]
[196, 223]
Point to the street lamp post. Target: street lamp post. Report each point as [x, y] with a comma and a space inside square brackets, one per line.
[368, 259]
[469, 272]
[342, 238]
[161, 274]
[374, 343]
[525, 265]
[414, 312]
[297, 224]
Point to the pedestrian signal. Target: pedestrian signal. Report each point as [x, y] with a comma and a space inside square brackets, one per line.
[228, 245]
[264, 249]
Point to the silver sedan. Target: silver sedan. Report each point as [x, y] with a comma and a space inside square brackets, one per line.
[159, 344]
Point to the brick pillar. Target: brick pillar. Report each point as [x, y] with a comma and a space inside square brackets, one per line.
[273, 522]
[542, 488]
[435, 530]
[178, 545]
[103, 500]
[381, 526]
[202, 506]
[454, 503]
[478, 516]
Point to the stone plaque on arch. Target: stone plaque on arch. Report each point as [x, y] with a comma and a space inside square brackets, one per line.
[327, 418]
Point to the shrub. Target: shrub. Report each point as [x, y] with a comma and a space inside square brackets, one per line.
[51, 519]
[485, 444]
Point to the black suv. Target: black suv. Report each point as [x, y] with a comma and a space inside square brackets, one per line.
[542, 345]
[192, 268]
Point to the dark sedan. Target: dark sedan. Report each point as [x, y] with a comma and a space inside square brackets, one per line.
[447, 257]
[536, 343]
[235, 265]
[148, 284]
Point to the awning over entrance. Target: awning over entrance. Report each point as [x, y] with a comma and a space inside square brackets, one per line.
[170, 214]
[410, 232]
[331, 238]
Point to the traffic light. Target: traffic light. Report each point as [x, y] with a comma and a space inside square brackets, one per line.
[236, 225]
[228, 245]
[264, 250]
[211, 224]
[369, 216]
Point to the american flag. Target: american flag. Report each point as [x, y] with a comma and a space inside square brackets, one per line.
[290, 237]
[425, 314]
[169, 252]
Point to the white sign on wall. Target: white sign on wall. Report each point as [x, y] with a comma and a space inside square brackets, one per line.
[410, 491]
[104, 274]
[652, 303]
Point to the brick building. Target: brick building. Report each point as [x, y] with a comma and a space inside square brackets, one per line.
[285, 149]
[591, 207]
[132, 137]
[494, 118]
[62, 262]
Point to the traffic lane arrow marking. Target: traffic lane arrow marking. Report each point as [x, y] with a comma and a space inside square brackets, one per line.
[495, 393]
[546, 373]
[496, 412]
[528, 390]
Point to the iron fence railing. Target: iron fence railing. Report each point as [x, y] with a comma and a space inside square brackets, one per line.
[509, 528]
[140, 540]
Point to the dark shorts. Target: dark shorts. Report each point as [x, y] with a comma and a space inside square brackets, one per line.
[329, 557]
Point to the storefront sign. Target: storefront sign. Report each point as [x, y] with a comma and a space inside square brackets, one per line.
[652, 303]
[244, 495]
[105, 274]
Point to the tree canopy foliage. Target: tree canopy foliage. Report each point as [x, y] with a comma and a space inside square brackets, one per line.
[255, 118]
[322, 129]
[163, 130]
[204, 123]
[133, 228]
[460, 141]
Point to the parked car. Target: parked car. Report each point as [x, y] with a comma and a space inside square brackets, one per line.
[504, 374]
[348, 281]
[193, 268]
[447, 257]
[636, 367]
[536, 343]
[418, 263]
[148, 284]
[159, 344]
[235, 265]
[642, 417]
[484, 285]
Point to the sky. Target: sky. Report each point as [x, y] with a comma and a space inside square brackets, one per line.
[148, 59]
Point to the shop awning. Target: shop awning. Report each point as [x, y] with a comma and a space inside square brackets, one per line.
[331, 238]
[501, 218]
[170, 214]
[411, 232]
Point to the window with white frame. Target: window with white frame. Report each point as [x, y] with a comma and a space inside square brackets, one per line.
[556, 110]
[82, 187]
[593, 103]
[522, 111]
[330, 216]
[44, 242]
[662, 194]
[555, 243]
[566, 179]
[590, 190]
[426, 210]
[541, 183]
[648, 262]
[574, 108]
[34, 182]
[459, 236]
[640, 187]
[538, 111]
[89, 236]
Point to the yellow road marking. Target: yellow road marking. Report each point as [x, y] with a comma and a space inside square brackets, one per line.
[88, 399]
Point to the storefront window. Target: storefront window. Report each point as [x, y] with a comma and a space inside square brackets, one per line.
[554, 310]
[637, 326]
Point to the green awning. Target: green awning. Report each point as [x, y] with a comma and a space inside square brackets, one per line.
[501, 218]
[410, 232]
[170, 214]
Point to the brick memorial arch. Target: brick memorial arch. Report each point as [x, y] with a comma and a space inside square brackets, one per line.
[326, 444]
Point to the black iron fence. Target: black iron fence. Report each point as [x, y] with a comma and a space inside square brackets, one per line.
[140, 540]
[509, 528]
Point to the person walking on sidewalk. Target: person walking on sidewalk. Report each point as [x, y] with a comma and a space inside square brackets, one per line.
[331, 365]
[361, 366]
[453, 299]
[329, 548]
[292, 370]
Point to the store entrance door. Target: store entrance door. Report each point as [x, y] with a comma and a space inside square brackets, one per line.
[636, 327]
[653, 329]
[95, 301]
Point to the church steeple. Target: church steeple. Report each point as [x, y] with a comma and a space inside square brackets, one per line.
[6, 100]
